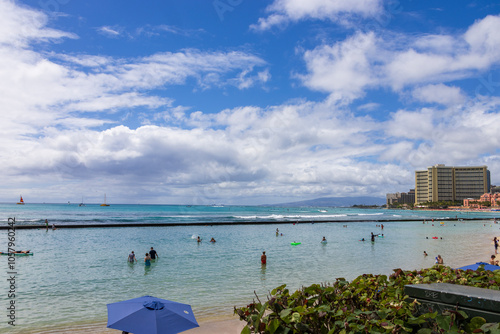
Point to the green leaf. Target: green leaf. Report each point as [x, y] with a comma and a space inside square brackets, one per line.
[443, 322]
[285, 313]
[299, 309]
[273, 326]
[416, 321]
[475, 323]
[246, 330]
[424, 331]
[382, 314]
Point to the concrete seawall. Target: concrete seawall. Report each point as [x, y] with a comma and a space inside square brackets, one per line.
[250, 222]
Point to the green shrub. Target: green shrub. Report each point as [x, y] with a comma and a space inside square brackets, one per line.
[368, 304]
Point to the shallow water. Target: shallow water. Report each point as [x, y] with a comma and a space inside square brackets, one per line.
[76, 272]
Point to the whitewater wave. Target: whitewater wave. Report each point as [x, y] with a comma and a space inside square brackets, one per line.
[298, 216]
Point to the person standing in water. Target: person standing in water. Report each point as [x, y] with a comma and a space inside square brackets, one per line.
[153, 254]
[132, 258]
[147, 260]
[263, 258]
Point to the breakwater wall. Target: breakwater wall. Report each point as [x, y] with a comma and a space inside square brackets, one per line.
[249, 222]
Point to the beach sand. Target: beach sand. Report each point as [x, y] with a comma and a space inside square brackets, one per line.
[226, 325]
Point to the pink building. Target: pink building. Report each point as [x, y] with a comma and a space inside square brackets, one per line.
[494, 199]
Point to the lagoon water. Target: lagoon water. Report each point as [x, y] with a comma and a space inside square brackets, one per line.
[75, 272]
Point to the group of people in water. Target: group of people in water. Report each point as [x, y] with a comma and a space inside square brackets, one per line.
[151, 255]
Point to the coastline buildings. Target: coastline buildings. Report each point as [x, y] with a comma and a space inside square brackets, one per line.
[492, 199]
[401, 198]
[447, 183]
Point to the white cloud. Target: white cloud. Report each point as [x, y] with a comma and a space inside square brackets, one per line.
[411, 125]
[284, 11]
[47, 88]
[458, 57]
[363, 61]
[345, 68]
[110, 31]
[20, 26]
[439, 93]
[52, 101]
[150, 30]
[369, 106]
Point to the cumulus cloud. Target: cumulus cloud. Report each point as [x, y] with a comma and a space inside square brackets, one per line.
[283, 11]
[345, 68]
[439, 93]
[366, 61]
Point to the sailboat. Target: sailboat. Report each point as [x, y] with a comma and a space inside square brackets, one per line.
[104, 204]
[81, 204]
[21, 201]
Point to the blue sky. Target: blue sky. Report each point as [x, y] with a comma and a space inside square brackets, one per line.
[243, 102]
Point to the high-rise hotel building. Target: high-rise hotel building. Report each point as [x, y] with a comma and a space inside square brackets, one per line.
[445, 183]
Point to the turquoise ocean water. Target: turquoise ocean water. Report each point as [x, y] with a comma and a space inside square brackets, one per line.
[75, 272]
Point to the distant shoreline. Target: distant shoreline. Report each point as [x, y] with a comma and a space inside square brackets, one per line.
[248, 222]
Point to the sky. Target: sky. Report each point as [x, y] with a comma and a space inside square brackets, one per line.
[242, 102]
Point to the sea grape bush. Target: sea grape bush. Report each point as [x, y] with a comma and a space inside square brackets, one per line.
[368, 304]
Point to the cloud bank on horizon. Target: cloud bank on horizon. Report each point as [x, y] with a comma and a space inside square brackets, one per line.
[243, 102]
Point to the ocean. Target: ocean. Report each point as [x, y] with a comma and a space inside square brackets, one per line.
[75, 272]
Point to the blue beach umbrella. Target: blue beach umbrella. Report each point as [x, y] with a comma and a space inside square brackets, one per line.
[475, 266]
[150, 315]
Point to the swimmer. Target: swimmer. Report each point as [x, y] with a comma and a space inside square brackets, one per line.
[212, 240]
[263, 258]
[324, 240]
[425, 253]
[199, 240]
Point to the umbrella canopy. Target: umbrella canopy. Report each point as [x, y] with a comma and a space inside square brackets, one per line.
[475, 266]
[150, 315]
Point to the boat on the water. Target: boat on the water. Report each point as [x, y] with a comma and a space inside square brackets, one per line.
[21, 201]
[104, 204]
